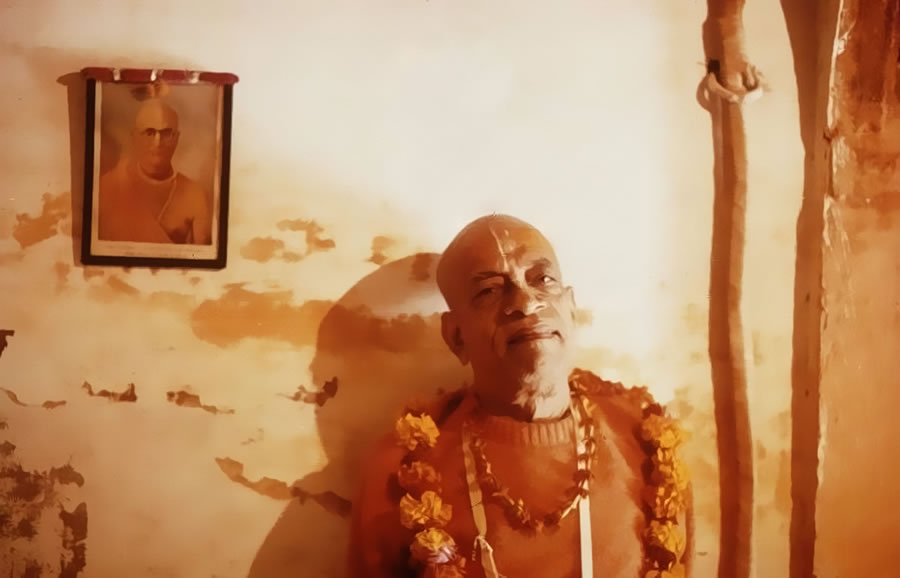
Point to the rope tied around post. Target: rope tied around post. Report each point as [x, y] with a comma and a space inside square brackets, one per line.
[753, 87]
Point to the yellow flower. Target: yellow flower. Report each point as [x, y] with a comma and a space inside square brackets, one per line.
[429, 511]
[676, 571]
[433, 546]
[665, 535]
[417, 477]
[671, 472]
[661, 431]
[412, 431]
[665, 501]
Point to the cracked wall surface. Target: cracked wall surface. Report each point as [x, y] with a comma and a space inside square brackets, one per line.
[217, 417]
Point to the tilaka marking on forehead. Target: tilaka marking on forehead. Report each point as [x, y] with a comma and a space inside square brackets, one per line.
[503, 253]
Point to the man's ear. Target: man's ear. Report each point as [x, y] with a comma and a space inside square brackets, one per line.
[453, 336]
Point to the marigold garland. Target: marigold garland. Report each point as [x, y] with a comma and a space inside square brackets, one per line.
[421, 508]
[665, 495]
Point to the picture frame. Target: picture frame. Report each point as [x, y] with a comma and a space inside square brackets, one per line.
[156, 168]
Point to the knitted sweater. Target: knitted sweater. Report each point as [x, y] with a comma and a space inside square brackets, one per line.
[535, 461]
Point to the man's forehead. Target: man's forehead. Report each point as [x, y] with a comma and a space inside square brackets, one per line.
[155, 116]
[498, 248]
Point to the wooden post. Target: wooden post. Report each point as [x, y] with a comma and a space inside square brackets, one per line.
[730, 80]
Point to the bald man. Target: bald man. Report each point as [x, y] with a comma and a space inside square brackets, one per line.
[144, 199]
[512, 319]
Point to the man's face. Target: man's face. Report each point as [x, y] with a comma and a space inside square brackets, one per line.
[155, 138]
[511, 317]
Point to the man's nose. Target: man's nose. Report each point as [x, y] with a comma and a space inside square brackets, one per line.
[523, 301]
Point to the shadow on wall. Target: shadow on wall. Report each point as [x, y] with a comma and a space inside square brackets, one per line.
[382, 342]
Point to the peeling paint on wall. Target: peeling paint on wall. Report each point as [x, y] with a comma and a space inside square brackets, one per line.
[5, 334]
[74, 536]
[317, 397]
[129, 395]
[13, 397]
[36, 542]
[185, 399]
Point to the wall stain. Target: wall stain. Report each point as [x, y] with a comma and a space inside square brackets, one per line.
[185, 399]
[129, 395]
[30, 230]
[7, 448]
[328, 391]
[279, 490]
[90, 272]
[696, 318]
[262, 249]
[15, 399]
[421, 267]
[358, 329]
[240, 314]
[120, 286]
[380, 244]
[62, 274]
[314, 241]
[584, 317]
[195, 281]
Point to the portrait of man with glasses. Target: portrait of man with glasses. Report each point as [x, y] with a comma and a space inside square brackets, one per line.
[144, 198]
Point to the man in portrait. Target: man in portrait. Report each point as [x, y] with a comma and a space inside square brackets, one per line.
[144, 199]
[535, 469]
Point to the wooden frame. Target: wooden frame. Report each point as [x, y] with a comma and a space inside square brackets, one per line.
[157, 162]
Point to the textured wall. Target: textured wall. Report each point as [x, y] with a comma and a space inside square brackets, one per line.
[857, 500]
[155, 422]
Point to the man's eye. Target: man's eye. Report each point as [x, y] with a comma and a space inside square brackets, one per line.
[546, 279]
[487, 291]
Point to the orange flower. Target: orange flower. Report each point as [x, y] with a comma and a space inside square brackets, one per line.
[429, 511]
[670, 471]
[665, 535]
[665, 501]
[412, 431]
[433, 546]
[661, 431]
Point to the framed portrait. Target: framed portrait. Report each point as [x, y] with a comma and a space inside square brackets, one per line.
[157, 154]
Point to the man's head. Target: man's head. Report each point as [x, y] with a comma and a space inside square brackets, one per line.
[155, 137]
[510, 315]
